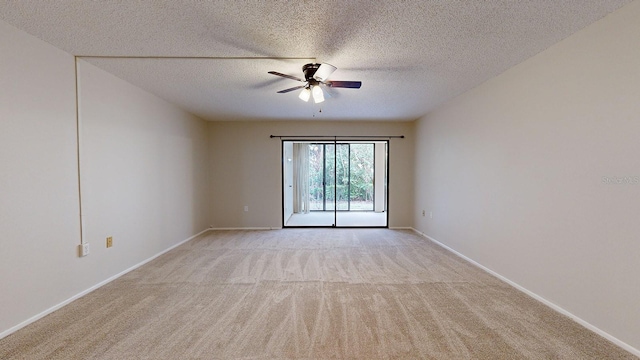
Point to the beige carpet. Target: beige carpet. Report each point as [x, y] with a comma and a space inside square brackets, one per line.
[307, 294]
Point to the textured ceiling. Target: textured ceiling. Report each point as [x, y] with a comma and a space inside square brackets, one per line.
[410, 55]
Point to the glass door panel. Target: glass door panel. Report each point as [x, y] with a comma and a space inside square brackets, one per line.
[367, 166]
[342, 177]
[316, 177]
[306, 185]
[361, 167]
[330, 177]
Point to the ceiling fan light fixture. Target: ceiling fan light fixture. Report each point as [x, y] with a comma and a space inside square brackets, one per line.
[315, 76]
[305, 94]
[318, 95]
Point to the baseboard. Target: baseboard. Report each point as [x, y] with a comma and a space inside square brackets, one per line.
[98, 285]
[537, 297]
[401, 228]
[244, 228]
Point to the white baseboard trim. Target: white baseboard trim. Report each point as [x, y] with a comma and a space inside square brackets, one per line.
[548, 303]
[98, 285]
[401, 228]
[245, 228]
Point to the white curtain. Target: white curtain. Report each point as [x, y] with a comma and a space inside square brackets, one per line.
[301, 178]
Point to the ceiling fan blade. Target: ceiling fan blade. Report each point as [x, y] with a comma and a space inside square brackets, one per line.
[328, 94]
[285, 76]
[345, 84]
[291, 89]
[323, 72]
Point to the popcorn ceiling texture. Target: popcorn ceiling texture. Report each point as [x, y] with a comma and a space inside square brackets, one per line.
[410, 55]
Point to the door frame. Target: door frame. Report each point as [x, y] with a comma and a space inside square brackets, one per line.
[335, 141]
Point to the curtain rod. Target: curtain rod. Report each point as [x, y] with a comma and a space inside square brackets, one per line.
[340, 136]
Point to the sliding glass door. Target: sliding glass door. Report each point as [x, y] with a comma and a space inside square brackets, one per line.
[335, 183]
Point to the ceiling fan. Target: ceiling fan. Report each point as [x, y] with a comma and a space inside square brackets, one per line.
[315, 75]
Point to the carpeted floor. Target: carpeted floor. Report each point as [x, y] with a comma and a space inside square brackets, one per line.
[307, 294]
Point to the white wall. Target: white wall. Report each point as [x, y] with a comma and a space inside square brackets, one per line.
[144, 176]
[144, 171]
[246, 168]
[513, 172]
[39, 223]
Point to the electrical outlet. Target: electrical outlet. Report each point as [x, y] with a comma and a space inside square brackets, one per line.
[430, 214]
[246, 208]
[109, 241]
[84, 249]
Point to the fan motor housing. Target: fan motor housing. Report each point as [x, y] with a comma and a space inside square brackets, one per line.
[309, 70]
